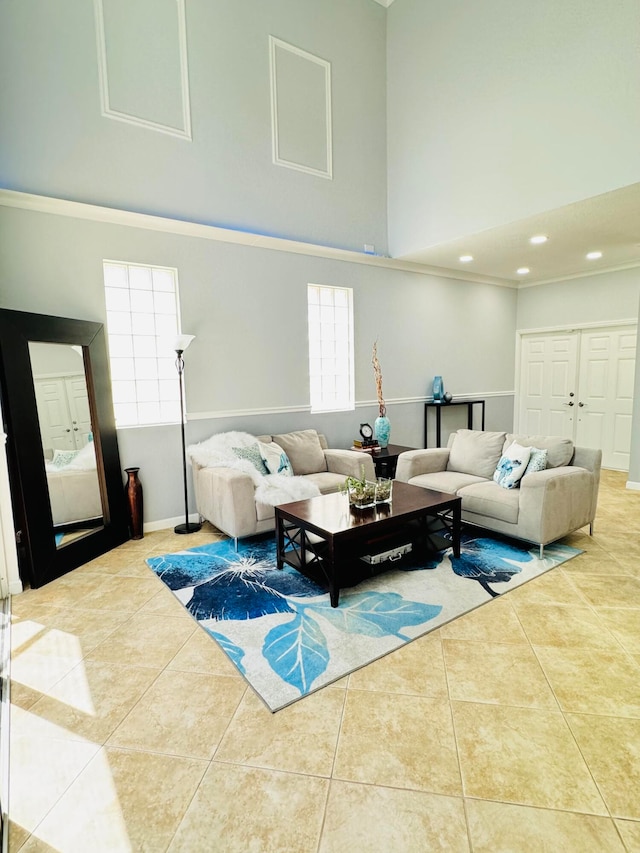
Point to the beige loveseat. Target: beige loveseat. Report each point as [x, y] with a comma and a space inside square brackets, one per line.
[227, 497]
[547, 504]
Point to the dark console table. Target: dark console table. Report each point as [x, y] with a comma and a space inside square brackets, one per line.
[440, 406]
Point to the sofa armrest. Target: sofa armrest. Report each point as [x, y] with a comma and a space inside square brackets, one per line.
[555, 502]
[414, 462]
[349, 463]
[226, 498]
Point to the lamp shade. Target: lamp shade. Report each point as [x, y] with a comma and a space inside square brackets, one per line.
[181, 342]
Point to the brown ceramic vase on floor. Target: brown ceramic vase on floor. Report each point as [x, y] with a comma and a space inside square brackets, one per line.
[133, 494]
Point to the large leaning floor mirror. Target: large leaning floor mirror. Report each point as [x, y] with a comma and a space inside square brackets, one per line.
[64, 466]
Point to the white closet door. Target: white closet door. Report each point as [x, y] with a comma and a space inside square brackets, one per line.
[76, 389]
[607, 370]
[548, 378]
[54, 415]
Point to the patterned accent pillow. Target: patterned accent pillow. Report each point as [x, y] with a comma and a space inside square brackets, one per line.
[512, 465]
[61, 458]
[275, 459]
[537, 461]
[252, 454]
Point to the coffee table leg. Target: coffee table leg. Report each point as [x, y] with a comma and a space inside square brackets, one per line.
[279, 541]
[457, 526]
[334, 588]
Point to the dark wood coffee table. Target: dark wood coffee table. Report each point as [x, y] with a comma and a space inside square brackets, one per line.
[319, 536]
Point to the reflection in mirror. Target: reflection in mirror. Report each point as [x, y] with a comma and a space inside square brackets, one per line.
[67, 440]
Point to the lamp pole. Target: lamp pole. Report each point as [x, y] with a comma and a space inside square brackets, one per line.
[181, 344]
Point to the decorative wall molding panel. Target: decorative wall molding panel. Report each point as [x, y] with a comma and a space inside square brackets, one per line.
[300, 109]
[143, 65]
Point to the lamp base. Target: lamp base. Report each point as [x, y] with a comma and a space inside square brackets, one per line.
[189, 527]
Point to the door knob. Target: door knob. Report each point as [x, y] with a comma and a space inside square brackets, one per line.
[67, 430]
[568, 404]
[582, 404]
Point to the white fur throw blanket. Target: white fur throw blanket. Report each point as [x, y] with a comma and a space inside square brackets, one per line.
[271, 489]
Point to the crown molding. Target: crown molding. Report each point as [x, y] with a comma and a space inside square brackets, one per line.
[131, 219]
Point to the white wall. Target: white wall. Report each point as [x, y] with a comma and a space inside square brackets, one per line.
[502, 109]
[248, 367]
[55, 140]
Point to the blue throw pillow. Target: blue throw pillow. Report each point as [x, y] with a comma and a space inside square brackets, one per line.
[252, 454]
[537, 461]
[512, 466]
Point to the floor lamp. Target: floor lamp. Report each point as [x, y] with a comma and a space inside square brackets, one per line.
[180, 344]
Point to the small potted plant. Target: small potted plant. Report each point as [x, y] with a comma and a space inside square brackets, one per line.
[362, 493]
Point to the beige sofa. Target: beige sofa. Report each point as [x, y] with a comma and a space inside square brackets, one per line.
[547, 504]
[226, 496]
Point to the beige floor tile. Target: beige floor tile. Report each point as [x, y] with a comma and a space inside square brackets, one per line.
[624, 624]
[416, 668]
[201, 653]
[42, 765]
[23, 696]
[611, 748]
[399, 741]
[301, 738]
[253, 810]
[522, 755]
[181, 714]
[369, 819]
[494, 622]
[164, 603]
[47, 661]
[503, 828]
[120, 593]
[610, 590]
[17, 836]
[597, 561]
[502, 673]
[145, 640]
[630, 832]
[592, 681]
[563, 625]
[66, 591]
[123, 801]
[93, 699]
[552, 587]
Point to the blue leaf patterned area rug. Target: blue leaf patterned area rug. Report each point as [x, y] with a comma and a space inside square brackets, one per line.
[278, 626]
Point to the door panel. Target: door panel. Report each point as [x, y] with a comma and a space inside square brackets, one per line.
[607, 371]
[548, 380]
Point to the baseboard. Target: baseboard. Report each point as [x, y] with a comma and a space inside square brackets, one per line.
[165, 523]
[632, 485]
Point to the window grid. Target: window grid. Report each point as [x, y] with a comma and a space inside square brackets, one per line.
[330, 322]
[142, 320]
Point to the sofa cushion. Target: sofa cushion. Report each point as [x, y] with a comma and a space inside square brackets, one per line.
[275, 459]
[444, 481]
[253, 455]
[560, 450]
[512, 465]
[475, 452]
[537, 460]
[326, 481]
[489, 500]
[304, 451]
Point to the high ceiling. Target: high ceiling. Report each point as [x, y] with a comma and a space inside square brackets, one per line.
[608, 223]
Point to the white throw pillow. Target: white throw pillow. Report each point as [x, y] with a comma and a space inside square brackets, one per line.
[512, 465]
[275, 459]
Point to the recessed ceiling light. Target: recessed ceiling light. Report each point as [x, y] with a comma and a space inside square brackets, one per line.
[523, 270]
[539, 238]
[464, 259]
[593, 256]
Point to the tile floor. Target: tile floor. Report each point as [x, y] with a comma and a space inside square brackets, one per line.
[514, 728]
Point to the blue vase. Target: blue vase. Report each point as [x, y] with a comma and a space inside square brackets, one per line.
[382, 430]
[438, 389]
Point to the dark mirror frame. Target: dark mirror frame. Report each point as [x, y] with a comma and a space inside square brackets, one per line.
[40, 560]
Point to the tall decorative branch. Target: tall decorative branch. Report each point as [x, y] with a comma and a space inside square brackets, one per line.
[377, 372]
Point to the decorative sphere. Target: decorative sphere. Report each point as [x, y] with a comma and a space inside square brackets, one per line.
[447, 397]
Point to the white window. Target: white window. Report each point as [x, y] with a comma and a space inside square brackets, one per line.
[142, 321]
[330, 311]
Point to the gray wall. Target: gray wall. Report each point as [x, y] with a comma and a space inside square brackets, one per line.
[55, 141]
[502, 109]
[248, 367]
